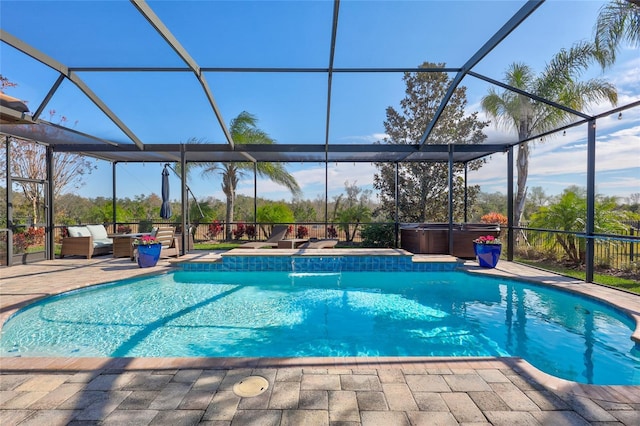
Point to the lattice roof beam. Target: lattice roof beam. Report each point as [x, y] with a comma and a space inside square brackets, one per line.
[527, 9]
[73, 77]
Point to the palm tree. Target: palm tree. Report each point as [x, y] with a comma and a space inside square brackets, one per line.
[617, 21]
[568, 213]
[557, 83]
[243, 130]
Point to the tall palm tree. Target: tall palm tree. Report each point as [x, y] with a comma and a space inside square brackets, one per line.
[558, 83]
[618, 20]
[244, 130]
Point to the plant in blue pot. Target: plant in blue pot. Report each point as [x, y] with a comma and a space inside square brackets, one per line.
[148, 251]
[487, 249]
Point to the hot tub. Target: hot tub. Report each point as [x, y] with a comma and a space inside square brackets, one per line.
[433, 238]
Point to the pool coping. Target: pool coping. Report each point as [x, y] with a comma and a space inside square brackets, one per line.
[519, 365]
[121, 269]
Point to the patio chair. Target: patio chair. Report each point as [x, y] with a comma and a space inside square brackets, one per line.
[319, 244]
[170, 243]
[277, 233]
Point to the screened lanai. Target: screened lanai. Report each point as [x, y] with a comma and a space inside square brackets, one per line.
[138, 82]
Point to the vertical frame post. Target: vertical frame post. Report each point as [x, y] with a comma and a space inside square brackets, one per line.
[9, 203]
[326, 198]
[591, 200]
[49, 246]
[451, 199]
[186, 238]
[466, 193]
[510, 207]
[397, 206]
[255, 195]
[113, 199]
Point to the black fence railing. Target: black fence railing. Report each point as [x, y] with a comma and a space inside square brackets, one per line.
[240, 231]
[617, 252]
[620, 251]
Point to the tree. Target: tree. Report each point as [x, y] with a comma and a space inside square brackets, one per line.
[569, 214]
[303, 210]
[243, 130]
[28, 159]
[618, 20]
[537, 199]
[488, 202]
[634, 202]
[353, 209]
[271, 213]
[557, 83]
[424, 186]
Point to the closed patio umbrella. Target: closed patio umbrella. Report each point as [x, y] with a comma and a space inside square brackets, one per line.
[165, 210]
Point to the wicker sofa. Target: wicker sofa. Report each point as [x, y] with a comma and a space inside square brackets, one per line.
[87, 240]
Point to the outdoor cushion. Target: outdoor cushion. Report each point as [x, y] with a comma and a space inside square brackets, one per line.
[98, 232]
[77, 243]
[78, 231]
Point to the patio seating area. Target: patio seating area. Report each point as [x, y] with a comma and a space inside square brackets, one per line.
[318, 391]
[86, 241]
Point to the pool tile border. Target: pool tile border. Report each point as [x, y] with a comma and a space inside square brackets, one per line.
[319, 263]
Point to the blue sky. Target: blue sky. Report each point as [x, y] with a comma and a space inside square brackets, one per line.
[159, 108]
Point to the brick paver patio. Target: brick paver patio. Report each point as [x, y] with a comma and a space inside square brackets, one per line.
[301, 391]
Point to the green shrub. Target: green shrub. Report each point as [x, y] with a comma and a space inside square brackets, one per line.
[378, 235]
[145, 225]
[275, 213]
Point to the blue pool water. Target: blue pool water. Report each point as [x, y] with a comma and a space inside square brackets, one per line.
[282, 314]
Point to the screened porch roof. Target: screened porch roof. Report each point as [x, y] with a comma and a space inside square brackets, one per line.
[142, 87]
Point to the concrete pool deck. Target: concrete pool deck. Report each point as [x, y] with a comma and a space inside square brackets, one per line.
[311, 391]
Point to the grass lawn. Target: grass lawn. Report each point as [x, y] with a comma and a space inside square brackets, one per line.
[609, 280]
[229, 246]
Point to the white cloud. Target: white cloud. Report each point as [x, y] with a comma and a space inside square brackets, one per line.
[561, 161]
[311, 180]
[632, 181]
[368, 139]
[629, 74]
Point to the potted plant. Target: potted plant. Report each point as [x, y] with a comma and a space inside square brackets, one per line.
[487, 249]
[148, 250]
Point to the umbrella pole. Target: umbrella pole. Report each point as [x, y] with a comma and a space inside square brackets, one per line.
[188, 189]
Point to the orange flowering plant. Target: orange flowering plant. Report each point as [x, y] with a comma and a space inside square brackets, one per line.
[494, 217]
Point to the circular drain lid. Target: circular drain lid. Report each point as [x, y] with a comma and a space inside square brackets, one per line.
[250, 386]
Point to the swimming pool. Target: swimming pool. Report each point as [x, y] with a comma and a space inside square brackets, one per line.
[283, 314]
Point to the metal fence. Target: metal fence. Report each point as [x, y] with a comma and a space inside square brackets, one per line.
[215, 231]
[620, 252]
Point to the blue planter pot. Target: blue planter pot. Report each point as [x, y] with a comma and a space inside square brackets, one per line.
[487, 254]
[148, 255]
